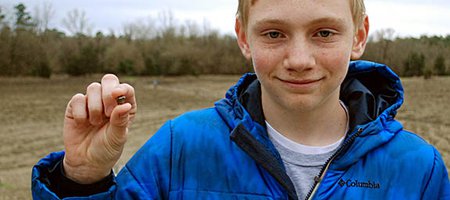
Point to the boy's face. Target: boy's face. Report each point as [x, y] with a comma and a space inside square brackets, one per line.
[301, 49]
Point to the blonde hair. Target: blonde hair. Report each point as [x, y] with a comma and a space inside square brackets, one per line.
[357, 6]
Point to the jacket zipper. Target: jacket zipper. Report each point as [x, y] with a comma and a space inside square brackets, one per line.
[318, 178]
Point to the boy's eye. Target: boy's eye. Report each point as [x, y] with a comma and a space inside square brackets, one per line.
[324, 34]
[273, 34]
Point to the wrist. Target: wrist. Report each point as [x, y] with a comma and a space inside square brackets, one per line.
[84, 174]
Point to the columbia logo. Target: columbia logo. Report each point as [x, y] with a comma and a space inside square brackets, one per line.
[359, 184]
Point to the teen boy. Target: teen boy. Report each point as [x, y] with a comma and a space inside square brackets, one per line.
[309, 124]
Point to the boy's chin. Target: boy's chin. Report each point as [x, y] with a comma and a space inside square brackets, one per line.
[301, 103]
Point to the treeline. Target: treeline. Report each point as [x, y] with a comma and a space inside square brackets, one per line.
[28, 47]
[150, 47]
[424, 56]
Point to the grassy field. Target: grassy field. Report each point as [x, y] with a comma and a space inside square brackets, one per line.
[32, 113]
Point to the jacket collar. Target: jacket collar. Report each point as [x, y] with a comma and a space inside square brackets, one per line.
[242, 110]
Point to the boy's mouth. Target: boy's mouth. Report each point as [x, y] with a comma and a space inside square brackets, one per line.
[301, 81]
[301, 84]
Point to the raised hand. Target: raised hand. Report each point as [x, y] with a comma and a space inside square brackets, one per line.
[96, 128]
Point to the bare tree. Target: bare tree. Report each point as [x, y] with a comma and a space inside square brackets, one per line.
[140, 30]
[384, 34]
[43, 15]
[167, 24]
[77, 23]
[384, 37]
[192, 29]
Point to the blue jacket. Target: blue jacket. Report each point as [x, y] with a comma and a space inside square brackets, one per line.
[224, 152]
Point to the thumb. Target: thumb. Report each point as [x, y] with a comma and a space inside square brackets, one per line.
[119, 123]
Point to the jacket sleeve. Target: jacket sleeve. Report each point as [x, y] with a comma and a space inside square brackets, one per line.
[147, 173]
[437, 186]
[46, 179]
[145, 176]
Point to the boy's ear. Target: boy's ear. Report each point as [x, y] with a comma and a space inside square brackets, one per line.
[242, 39]
[360, 39]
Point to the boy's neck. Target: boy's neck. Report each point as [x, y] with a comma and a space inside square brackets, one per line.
[318, 127]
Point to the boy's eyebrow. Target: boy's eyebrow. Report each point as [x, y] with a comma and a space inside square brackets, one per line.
[264, 22]
[329, 20]
[332, 20]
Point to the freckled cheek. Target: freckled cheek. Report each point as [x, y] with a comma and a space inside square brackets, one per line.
[337, 61]
[265, 61]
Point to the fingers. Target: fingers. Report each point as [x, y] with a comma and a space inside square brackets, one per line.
[100, 103]
[112, 89]
[95, 103]
[109, 83]
[124, 113]
[128, 92]
[76, 109]
[120, 117]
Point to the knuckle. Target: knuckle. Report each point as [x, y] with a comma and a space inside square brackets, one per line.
[79, 114]
[109, 77]
[94, 86]
[78, 96]
[80, 119]
[128, 88]
[77, 99]
[95, 120]
[95, 111]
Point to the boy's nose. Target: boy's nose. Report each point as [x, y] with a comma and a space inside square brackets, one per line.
[299, 56]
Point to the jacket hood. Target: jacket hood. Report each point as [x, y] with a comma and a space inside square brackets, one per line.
[372, 92]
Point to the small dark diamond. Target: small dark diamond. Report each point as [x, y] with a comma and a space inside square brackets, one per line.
[342, 183]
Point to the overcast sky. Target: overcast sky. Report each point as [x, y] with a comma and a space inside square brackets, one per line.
[406, 17]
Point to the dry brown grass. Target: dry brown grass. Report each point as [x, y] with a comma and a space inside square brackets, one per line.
[32, 113]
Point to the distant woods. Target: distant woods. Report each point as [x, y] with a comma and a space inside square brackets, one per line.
[28, 47]
[425, 56]
[160, 46]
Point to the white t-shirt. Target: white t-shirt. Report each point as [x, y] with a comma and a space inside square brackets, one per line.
[302, 162]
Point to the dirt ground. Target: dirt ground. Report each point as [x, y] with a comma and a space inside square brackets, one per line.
[32, 112]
